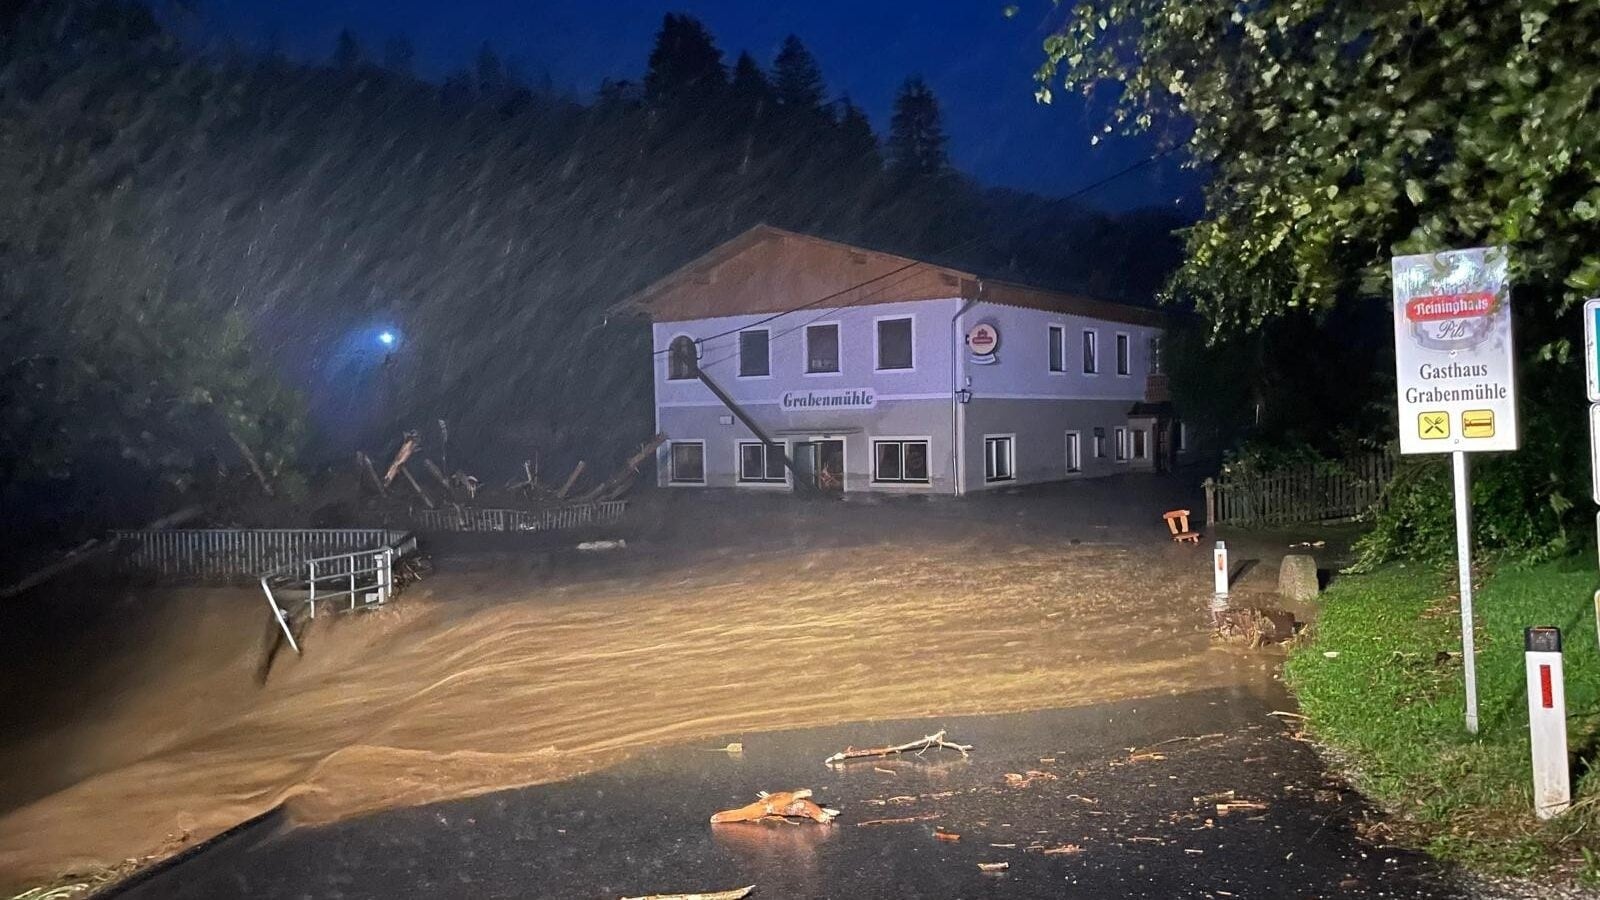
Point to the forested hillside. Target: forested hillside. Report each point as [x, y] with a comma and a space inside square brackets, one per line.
[197, 254]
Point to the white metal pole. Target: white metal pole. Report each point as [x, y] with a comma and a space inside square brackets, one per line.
[1464, 573]
[1219, 570]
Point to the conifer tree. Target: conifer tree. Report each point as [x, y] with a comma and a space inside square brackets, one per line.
[916, 134]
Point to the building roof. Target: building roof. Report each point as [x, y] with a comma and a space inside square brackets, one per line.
[773, 270]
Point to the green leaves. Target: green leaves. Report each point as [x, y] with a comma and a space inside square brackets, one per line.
[1336, 133]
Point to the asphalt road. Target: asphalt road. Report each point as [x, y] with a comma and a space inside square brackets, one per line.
[1126, 795]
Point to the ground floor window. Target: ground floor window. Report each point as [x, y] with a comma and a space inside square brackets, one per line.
[1099, 443]
[1074, 453]
[900, 461]
[688, 465]
[1183, 437]
[1122, 444]
[999, 460]
[760, 462]
[1139, 449]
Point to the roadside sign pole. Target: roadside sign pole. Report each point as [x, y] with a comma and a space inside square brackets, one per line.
[1469, 664]
[1456, 385]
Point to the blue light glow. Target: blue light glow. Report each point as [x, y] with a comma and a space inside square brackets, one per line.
[386, 338]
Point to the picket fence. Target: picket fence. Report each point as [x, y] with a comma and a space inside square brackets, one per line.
[472, 519]
[1299, 494]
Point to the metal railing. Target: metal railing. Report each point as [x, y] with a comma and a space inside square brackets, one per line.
[355, 580]
[241, 552]
[463, 518]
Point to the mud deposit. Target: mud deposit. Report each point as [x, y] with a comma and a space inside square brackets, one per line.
[493, 675]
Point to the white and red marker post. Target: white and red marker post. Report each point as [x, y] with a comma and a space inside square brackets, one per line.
[1547, 722]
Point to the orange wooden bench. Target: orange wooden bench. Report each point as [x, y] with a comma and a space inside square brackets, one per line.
[1178, 524]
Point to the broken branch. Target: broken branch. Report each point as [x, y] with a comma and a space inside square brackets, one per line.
[926, 743]
[408, 446]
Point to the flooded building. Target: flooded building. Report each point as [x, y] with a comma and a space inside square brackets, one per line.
[878, 372]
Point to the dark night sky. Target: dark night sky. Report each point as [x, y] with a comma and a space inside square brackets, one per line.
[978, 62]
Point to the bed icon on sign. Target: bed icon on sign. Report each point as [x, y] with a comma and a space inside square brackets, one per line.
[1477, 423]
[1433, 426]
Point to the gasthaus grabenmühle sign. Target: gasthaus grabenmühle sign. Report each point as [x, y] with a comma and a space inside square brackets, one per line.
[1453, 352]
[1457, 385]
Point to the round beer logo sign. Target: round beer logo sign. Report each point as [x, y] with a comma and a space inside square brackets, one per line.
[983, 339]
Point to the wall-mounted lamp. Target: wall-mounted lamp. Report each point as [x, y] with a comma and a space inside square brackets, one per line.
[964, 395]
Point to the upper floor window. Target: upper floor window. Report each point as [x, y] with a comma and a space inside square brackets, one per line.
[1091, 351]
[754, 359]
[682, 356]
[1124, 355]
[822, 348]
[1058, 348]
[894, 344]
[1155, 355]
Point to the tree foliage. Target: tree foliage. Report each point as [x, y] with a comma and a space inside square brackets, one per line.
[1338, 133]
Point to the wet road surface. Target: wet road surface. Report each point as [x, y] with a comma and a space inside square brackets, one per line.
[1117, 800]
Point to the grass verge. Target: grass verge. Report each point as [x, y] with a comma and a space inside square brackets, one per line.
[1376, 688]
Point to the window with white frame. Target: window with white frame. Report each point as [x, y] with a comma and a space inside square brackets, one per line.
[894, 344]
[681, 356]
[1099, 443]
[755, 360]
[1091, 351]
[1124, 357]
[1155, 355]
[999, 458]
[1058, 348]
[1074, 453]
[1139, 448]
[1121, 443]
[1183, 436]
[900, 462]
[760, 463]
[688, 462]
[822, 348]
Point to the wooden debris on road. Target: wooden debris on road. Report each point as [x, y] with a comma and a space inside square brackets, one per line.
[1022, 781]
[794, 804]
[903, 820]
[929, 742]
[1061, 850]
[428, 501]
[993, 866]
[1214, 797]
[948, 836]
[1232, 806]
[618, 484]
[735, 894]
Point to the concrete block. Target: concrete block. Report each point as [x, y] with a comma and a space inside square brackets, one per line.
[1297, 577]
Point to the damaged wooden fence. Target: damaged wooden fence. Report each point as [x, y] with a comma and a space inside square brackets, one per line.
[1317, 492]
[558, 518]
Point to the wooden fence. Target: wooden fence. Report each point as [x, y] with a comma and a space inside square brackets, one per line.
[562, 517]
[1322, 492]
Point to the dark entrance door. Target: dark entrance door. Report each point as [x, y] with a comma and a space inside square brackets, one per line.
[819, 465]
[830, 466]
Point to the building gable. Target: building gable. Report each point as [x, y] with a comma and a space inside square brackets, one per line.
[771, 270]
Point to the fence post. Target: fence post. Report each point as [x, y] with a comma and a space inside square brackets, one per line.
[1211, 502]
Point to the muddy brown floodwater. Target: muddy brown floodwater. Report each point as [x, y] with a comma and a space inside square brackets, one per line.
[490, 676]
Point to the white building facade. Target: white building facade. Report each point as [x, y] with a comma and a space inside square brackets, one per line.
[890, 387]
